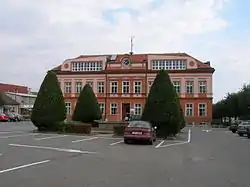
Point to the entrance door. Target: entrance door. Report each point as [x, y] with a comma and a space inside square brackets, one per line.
[125, 110]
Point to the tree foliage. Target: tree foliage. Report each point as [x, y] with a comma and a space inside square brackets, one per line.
[234, 104]
[162, 107]
[49, 108]
[87, 108]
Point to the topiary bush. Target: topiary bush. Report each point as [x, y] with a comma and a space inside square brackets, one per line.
[49, 108]
[162, 107]
[87, 108]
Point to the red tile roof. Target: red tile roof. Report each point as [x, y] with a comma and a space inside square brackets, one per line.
[13, 88]
[140, 58]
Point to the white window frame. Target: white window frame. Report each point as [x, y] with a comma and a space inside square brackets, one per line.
[68, 108]
[137, 86]
[204, 113]
[67, 87]
[202, 87]
[78, 85]
[87, 66]
[189, 87]
[138, 109]
[125, 87]
[114, 87]
[189, 109]
[113, 109]
[177, 86]
[102, 107]
[100, 86]
[168, 64]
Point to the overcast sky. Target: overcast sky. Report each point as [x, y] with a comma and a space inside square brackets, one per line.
[37, 35]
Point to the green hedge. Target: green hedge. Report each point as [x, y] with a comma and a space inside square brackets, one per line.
[118, 130]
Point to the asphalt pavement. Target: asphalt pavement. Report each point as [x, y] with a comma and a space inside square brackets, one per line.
[198, 157]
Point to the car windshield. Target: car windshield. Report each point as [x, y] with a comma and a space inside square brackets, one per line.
[139, 124]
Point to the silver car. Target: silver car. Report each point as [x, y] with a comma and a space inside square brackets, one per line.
[242, 128]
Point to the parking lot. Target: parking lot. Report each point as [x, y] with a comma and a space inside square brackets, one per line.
[198, 156]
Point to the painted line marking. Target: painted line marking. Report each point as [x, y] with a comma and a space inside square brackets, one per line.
[168, 145]
[53, 149]
[105, 138]
[19, 135]
[50, 137]
[206, 130]
[157, 146]
[1, 154]
[23, 166]
[189, 136]
[180, 143]
[117, 142]
[86, 139]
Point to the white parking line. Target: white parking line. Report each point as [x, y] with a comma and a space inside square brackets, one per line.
[179, 143]
[19, 135]
[1, 154]
[24, 166]
[168, 145]
[117, 142]
[54, 149]
[83, 140]
[160, 144]
[50, 137]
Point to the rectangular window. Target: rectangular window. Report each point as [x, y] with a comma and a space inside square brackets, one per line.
[202, 110]
[67, 87]
[68, 107]
[202, 87]
[114, 87]
[100, 87]
[189, 87]
[113, 108]
[138, 109]
[137, 87]
[101, 107]
[125, 87]
[169, 64]
[189, 109]
[78, 87]
[86, 66]
[90, 83]
[177, 86]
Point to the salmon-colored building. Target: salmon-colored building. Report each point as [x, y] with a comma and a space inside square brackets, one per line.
[121, 82]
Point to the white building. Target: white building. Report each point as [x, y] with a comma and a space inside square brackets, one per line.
[26, 101]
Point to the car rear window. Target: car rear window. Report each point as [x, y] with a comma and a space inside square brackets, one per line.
[139, 124]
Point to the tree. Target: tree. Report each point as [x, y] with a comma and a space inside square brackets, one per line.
[87, 108]
[162, 106]
[49, 108]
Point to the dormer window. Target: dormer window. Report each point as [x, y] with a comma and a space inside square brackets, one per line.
[86, 66]
[169, 64]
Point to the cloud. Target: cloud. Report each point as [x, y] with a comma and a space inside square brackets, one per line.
[36, 36]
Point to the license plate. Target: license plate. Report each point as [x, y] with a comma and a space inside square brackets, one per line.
[136, 132]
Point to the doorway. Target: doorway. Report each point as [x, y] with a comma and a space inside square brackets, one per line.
[125, 110]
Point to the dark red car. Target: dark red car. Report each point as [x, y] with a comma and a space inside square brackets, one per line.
[140, 131]
[3, 117]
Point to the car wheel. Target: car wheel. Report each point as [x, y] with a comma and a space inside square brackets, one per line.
[240, 134]
[150, 142]
[126, 141]
[248, 136]
[233, 131]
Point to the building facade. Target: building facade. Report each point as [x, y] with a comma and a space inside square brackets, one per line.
[25, 101]
[122, 82]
